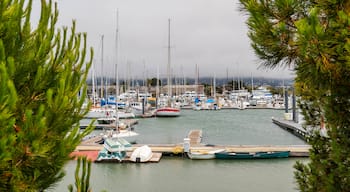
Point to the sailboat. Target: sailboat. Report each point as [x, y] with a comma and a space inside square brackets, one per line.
[108, 105]
[168, 110]
[118, 130]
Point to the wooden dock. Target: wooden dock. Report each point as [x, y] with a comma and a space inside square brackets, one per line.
[90, 148]
[195, 137]
[292, 127]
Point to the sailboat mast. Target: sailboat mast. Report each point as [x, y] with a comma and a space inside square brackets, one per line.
[93, 84]
[252, 83]
[214, 86]
[197, 77]
[157, 89]
[102, 66]
[116, 62]
[169, 59]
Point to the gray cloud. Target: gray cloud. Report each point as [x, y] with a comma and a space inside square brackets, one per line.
[209, 33]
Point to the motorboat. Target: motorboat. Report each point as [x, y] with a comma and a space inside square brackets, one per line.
[113, 149]
[167, 112]
[108, 112]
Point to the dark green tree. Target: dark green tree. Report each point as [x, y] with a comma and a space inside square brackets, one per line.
[153, 82]
[42, 72]
[313, 38]
[236, 84]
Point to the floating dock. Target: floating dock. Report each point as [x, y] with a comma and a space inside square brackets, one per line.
[292, 127]
[195, 137]
[92, 156]
[177, 149]
[91, 148]
[155, 159]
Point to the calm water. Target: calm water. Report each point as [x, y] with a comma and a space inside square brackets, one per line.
[251, 127]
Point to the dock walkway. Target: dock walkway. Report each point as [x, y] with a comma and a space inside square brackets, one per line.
[295, 150]
[291, 126]
[91, 148]
[195, 137]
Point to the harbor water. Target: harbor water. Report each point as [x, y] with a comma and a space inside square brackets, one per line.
[227, 127]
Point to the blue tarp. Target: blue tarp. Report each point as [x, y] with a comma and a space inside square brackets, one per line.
[111, 101]
[197, 100]
[210, 101]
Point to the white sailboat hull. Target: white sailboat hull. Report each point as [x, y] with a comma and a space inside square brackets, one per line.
[168, 112]
[128, 135]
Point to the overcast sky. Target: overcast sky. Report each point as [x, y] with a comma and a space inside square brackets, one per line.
[209, 33]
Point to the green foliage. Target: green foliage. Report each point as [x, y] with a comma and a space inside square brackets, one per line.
[42, 71]
[313, 37]
[153, 82]
[82, 183]
[236, 85]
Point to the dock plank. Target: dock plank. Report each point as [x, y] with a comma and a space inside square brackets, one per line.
[195, 136]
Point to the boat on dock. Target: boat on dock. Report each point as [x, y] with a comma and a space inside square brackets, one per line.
[127, 134]
[252, 155]
[141, 154]
[107, 121]
[113, 149]
[204, 154]
[115, 128]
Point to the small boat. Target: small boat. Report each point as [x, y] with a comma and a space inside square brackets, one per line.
[113, 149]
[107, 121]
[167, 112]
[108, 112]
[271, 154]
[137, 108]
[126, 134]
[99, 112]
[203, 154]
[141, 154]
[255, 155]
[116, 129]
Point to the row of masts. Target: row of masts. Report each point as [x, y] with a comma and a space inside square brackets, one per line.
[116, 72]
[102, 80]
[102, 66]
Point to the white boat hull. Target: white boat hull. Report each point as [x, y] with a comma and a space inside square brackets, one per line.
[101, 113]
[168, 112]
[128, 135]
[204, 154]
